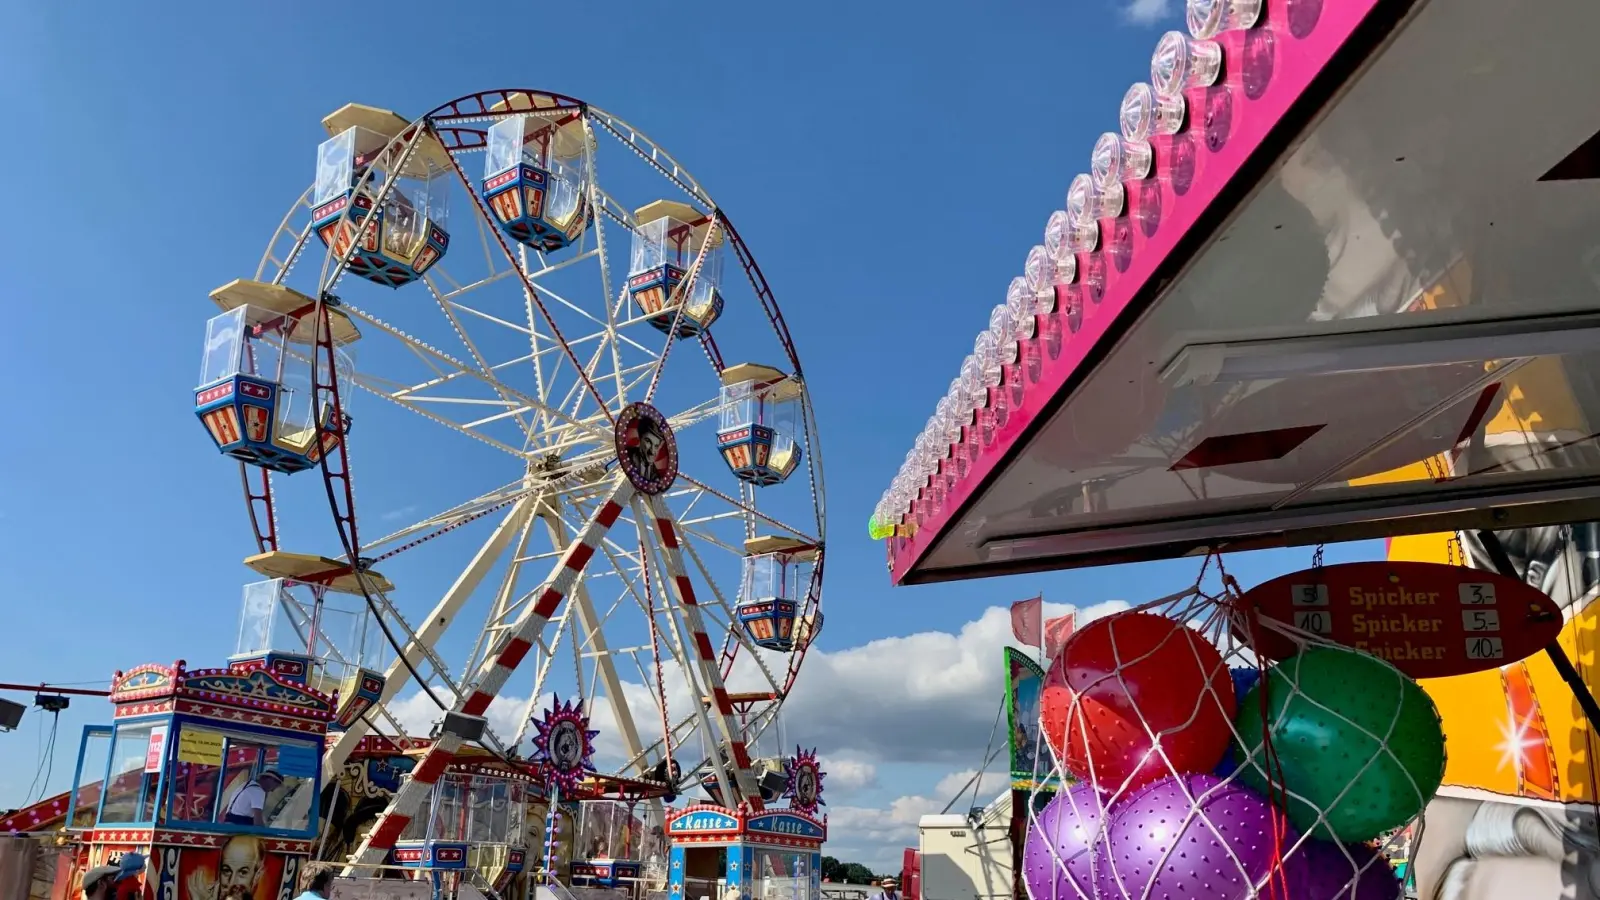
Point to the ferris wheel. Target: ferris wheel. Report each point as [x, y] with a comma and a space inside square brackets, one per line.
[588, 388]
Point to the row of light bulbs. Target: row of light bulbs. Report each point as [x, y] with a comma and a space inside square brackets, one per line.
[1008, 353]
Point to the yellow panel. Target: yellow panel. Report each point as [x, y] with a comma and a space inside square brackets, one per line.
[387, 122]
[280, 301]
[771, 543]
[782, 386]
[299, 566]
[1538, 402]
[1477, 713]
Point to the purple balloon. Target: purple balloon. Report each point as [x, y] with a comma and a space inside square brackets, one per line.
[1056, 860]
[1200, 866]
[1319, 870]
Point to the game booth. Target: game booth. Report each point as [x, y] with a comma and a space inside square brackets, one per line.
[1280, 306]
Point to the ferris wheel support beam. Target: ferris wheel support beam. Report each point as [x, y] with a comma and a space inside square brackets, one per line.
[496, 670]
[595, 637]
[434, 627]
[706, 657]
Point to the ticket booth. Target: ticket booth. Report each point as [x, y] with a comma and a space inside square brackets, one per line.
[774, 855]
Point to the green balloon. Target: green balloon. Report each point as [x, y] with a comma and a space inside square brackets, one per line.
[1358, 746]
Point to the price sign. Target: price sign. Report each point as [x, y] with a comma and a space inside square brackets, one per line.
[1428, 620]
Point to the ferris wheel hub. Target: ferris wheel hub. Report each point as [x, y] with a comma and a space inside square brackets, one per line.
[646, 448]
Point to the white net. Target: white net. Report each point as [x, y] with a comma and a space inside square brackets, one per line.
[1190, 767]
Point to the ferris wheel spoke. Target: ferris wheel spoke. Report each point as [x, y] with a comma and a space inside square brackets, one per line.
[488, 378]
[749, 509]
[477, 356]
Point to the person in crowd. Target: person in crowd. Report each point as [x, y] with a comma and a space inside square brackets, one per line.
[891, 889]
[99, 882]
[320, 888]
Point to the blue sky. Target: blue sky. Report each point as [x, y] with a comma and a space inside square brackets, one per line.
[890, 165]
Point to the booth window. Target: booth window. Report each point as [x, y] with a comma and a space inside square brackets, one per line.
[130, 791]
[221, 764]
[782, 875]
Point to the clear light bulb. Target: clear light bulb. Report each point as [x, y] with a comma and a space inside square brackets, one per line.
[1117, 159]
[1020, 301]
[1087, 205]
[1181, 62]
[987, 353]
[1001, 325]
[1146, 114]
[1063, 237]
[1209, 18]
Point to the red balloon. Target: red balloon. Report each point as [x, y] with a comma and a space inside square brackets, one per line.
[1127, 673]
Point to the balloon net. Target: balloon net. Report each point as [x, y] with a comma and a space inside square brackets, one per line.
[1187, 765]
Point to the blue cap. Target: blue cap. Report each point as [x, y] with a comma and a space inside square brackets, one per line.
[132, 864]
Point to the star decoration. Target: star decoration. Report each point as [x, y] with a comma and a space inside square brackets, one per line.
[804, 781]
[565, 744]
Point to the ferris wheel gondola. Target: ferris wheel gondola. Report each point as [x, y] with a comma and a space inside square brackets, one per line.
[626, 527]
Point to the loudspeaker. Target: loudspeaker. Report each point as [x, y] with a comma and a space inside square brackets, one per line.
[11, 715]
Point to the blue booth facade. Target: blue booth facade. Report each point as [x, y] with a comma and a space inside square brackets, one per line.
[775, 854]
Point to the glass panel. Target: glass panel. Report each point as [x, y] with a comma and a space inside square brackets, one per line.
[706, 284]
[336, 167]
[784, 417]
[505, 146]
[450, 810]
[782, 875]
[94, 755]
[257, 617]
[648, 247]
[664, 241]
[131, 792]
[225, 339]
[241, 757]
[296, 764]
[739, 405]
[193, 789]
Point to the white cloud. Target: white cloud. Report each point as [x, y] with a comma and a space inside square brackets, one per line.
[988, 786]
[848, 774]
[926, 697]
[1146, 12]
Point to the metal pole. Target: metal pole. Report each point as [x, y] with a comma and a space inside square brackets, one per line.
[1563, 663]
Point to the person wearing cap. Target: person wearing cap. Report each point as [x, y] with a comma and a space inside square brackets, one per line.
[248, 806]
[106, 882]
[891, 889]
[99, 882]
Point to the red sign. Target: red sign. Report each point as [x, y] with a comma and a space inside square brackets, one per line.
[1427, 620]
[156, 749]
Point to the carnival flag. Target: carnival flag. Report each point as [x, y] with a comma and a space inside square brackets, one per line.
[1030, 628]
